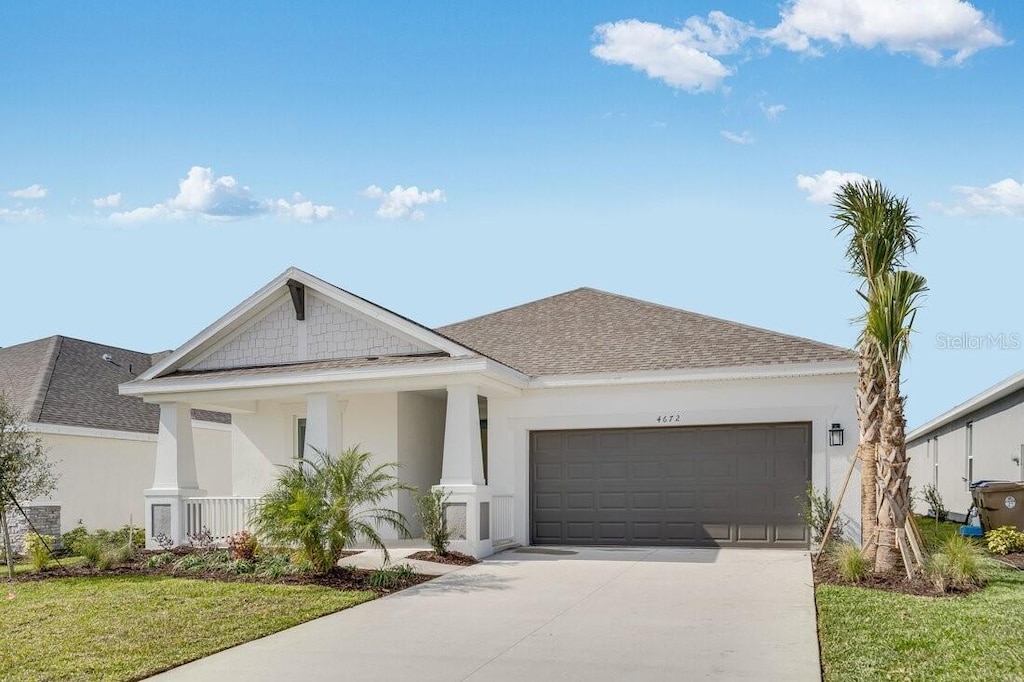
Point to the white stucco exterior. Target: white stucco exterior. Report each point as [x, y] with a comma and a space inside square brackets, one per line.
[820, 400]
[101, 473]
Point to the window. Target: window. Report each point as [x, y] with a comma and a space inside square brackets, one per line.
[300, 439]
[970, 455]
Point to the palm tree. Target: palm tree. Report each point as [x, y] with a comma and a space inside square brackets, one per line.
[888, 323]
[326, 503]
[881, 231]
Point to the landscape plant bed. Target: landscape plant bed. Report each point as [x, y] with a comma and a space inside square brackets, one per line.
[451, 558]
[339, 578]
[1015, 559]
[825, 573]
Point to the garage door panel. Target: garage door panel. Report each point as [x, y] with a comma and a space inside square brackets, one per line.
[695, 486]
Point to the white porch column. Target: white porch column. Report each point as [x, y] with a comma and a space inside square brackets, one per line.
[174, 476]
[323, 425]
[462, 474]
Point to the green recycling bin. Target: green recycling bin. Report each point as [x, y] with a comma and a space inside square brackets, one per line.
[999, 503]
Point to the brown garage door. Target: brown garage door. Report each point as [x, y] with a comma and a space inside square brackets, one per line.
[691, 486]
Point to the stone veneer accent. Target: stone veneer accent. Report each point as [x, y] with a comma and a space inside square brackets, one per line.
[328, 333]
[45, 518]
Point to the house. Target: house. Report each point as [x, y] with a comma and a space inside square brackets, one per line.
[979, 439]
[102, 444]
[583, 418]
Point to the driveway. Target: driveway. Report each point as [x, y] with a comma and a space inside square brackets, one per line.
[546, 613]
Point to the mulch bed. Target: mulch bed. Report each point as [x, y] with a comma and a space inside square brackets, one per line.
[451, 558]
[339, 578]
[1016, 559]
[825, 573]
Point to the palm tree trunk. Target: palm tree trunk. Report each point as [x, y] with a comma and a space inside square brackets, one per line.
[869, 412]
[892, 478]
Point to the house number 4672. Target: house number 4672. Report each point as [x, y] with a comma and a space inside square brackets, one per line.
[669, 418]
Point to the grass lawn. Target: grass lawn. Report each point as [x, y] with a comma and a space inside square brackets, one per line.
[125, 628]
[877, 635]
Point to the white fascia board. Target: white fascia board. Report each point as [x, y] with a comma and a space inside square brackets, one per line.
[685, 376]
[453, 367]
[986, 397]
[265, 294]
[89, 432]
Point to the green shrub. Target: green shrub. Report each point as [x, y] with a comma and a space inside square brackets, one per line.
[274, 566]
[37, 550]
[388, 578]
[89, 548]
[849, 562]
[190, 562]
[243, 546]
[816, 510]
[430, 509]
[1005, 540]
[158, 560]
[69, 541]
[957, 564]
[241, 566]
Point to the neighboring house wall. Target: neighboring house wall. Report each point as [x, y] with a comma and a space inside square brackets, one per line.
[821, 400]
[328, 332]
[996, 437]
[101, 474]
[420, 448]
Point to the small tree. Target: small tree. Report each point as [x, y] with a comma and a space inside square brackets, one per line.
[25, 472]
[431, 512]
[328, 502]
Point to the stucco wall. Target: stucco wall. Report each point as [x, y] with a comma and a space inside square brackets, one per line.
[998, 434]
[819, 400]
[101, 479]
[420, 448]
[266, 439]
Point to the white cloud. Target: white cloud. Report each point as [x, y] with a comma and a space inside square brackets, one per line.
[19, 215]
[36, 191]
[1005, 197]
[821, 188]
[772, 111]
[682, 58]
[401, 202]
[738, 138]
[109, 201]
[303, 210]
[937, 31]
[203, 195]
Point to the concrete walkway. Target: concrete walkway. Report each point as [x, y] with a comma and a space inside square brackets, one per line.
[565, 614]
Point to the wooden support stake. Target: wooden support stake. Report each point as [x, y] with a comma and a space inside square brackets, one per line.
[835, 510]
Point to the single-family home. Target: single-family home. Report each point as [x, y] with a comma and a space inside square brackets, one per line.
[102, 445]
[585, 418]
[980, 439]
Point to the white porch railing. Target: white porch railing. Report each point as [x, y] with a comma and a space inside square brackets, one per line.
[502, 521]
[221, 516]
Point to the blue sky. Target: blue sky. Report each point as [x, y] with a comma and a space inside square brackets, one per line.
[447, 160]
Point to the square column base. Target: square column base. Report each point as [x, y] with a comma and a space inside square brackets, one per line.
[166, 515]
[468, 514]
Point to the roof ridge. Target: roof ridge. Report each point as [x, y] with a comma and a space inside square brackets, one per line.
[733, 323]
[42, 387]
[516, 307]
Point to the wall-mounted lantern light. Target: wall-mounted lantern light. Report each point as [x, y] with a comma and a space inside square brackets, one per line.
[835, 435]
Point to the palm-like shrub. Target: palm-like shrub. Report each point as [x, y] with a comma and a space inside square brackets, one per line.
[431, 512]
[329, 502]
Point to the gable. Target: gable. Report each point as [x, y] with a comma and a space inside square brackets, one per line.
[329, 332]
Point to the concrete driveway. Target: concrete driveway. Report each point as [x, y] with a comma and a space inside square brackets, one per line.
[545, 613]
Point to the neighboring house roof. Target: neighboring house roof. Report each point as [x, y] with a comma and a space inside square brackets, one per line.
[985, 398]
[66, 381]
[588, 331]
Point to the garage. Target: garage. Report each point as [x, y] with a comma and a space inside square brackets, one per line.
[702, 486]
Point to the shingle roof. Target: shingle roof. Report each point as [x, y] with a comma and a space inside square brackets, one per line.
[587, 331]
[60, 380]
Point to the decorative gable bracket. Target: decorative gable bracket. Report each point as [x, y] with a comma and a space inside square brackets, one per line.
[298, 292]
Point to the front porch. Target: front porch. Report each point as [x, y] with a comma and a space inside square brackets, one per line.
[436, 435]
